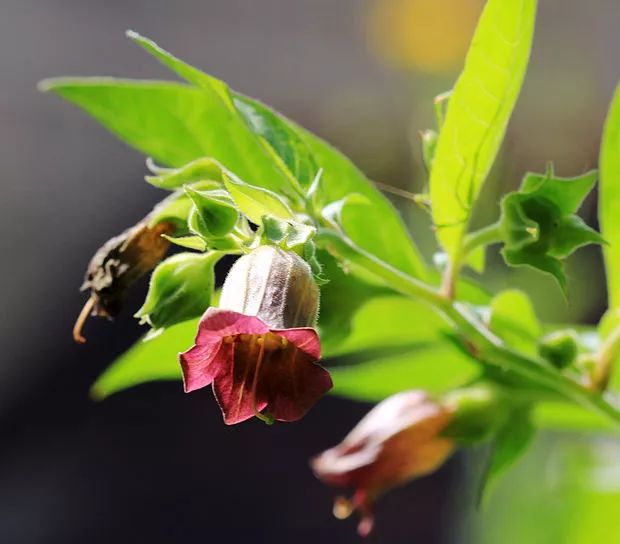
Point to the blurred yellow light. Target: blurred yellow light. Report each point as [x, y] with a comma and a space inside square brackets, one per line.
[424, 35]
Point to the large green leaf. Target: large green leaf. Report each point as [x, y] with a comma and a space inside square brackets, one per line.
[173, 123]
[513, 319]
[396, 344]
[510, 443]
[477, 114]
[153, 359]
[377, 228]
[609, 199]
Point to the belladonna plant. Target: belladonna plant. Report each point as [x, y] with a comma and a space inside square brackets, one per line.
[303, 222]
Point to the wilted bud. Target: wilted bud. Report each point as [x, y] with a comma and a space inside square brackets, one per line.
[119, 263]
[396, 441]
[258, 348]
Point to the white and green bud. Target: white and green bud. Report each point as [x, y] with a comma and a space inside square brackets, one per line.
[274, 285]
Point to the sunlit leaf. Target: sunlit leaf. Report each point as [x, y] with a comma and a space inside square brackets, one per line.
[510, 443]
[477, 114]
[150, 360]
[378, 229]
[609, 199]
[513, 319]
[173, 123]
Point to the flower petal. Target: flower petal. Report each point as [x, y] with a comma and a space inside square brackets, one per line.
[291, 380]
[217, 323]
[233, 388]
[305, 338]
[200, 365]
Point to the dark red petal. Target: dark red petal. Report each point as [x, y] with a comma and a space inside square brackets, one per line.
[304, 338]
[200, 364]
[233, 388]
[290, 379]
[204, 361]
[217, 323]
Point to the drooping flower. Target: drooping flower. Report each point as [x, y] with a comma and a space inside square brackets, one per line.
[259, 349]
[396, 441]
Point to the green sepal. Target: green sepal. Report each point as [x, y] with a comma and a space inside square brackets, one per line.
[255, 202]
[214, 214]
[287, 234]
[539, 227]
[478, 411]
[180, 289]
[204, 169]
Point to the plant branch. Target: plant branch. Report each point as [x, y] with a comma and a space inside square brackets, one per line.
[483, 237]
[488, 347]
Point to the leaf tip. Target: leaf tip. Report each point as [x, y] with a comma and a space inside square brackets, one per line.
[46, 85]
[96, 393]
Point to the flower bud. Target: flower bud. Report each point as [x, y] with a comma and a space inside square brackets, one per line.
[406, 436]
[559, 348]
[396, 441]
[257, 348]
[274, 285]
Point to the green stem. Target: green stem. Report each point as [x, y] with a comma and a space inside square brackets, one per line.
[609, 350]
[483, 237]
[485, 344]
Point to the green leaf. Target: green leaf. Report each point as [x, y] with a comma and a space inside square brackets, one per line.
[294, 157]
[155, 359]
[215, 214]
[514, 320]
[180, 289]
[478, 112]
[609, 199]
[394, 344]
[510, 443]
[570, 417]
[334, 211]
[200, 170]
[255, 202]
[378, 229]
[173, 123]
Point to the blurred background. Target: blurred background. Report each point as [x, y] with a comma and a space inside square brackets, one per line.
[155, 465]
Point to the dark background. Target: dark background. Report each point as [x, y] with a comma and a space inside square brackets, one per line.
[152, 464]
